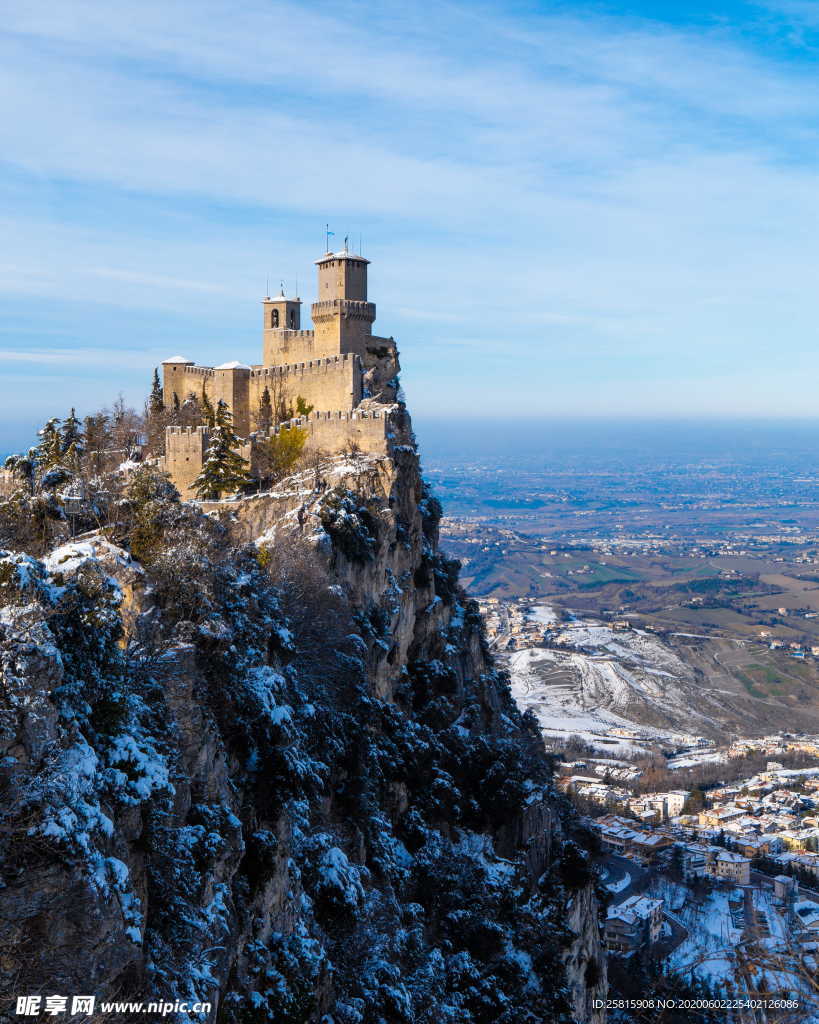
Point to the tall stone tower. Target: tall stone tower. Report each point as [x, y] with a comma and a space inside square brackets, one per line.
[342, 316]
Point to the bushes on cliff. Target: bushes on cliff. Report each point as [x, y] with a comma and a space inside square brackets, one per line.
[287, 972]
[351, 524]
[431, 512]
[142, 512]
[315, 609]
[278, 456]
[496, 951]
[31, 522]
[575, 866]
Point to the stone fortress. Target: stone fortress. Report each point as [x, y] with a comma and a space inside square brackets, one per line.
[340, 368]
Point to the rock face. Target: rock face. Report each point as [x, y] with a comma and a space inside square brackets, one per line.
[286, 779]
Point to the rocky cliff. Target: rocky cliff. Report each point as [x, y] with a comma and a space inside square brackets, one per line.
[282, 777]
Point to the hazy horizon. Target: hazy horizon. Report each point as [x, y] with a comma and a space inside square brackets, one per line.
[603, 437]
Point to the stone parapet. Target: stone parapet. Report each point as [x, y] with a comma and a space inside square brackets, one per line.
[288, 335]
[332, 382]
[326, 363]
[350, 309]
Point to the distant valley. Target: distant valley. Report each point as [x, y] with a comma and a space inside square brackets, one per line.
[685, 582]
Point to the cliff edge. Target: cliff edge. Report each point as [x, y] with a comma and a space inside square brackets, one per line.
[256, 754]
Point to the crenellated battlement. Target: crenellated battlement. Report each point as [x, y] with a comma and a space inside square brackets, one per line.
[348, 308]
[328, 363]
[287, 335]
[181, 432]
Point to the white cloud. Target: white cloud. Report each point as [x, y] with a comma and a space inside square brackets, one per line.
[603, 187]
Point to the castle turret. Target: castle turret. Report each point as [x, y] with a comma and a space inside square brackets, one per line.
[342, 316]
[231, 385]
[175, 379]
[281, 321]
[281, 313]
[342, 275]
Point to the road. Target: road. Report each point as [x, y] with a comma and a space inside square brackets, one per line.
[618, 868]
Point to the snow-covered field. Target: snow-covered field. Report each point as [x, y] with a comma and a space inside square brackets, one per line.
[600, 680]
[562, 708]
[690, 760]
[708, 950]
[544, 614]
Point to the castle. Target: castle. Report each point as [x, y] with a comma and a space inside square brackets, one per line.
[341, 369]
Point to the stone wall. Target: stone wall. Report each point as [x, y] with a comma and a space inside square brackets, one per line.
[334, 431]
[369, 429]
[329, 383]
[282, 347]
[326, 384]
[232, 386]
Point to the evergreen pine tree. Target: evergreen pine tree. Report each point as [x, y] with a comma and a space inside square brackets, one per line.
[24, 468]
[265, 414]
[72, 441]
[207, 409]
[224, 470]
[156, 404]
[157, 418]
[49, 452]
[97, 440]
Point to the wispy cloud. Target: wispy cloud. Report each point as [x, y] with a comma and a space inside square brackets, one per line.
[563, 196]
[80, 357]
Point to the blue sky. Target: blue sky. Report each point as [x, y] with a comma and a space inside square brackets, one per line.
[586, 210]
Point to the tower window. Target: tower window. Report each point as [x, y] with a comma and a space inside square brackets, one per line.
[274, 318]
[292, 319]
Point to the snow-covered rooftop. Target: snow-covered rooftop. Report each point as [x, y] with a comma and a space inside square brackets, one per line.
[343, 254]
[635, 908]
[730, 858]
[177, 359]
[232, 365]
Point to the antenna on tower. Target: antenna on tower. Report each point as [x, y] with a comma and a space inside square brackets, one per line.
[360, 244]
[267, 288]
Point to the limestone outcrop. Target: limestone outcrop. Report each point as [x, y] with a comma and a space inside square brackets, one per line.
[263, 760]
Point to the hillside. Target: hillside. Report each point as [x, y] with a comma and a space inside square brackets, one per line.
[601, 679]
[282, 777]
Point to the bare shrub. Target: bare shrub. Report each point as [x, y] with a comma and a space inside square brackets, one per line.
[317, 612]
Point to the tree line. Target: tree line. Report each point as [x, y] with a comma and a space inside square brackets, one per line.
[72, 478]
